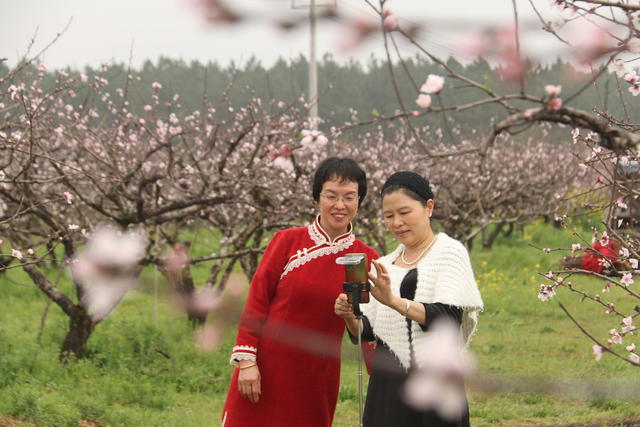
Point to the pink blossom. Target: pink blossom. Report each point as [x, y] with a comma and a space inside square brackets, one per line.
[615, 337]
[177, 258]
[390, 23]
[433, 84]
[624, 252]
[621, 204]
[619, 67]
[575, 247]
[16, 253]
[285, 150]
[631, 347]
[68, 197]
[549, 275]
[631, 77]
[443, 365]
[73, 227]
[627, 321]
[555, 104]
[546, 293]
[634, 358]
[208, 337]
[633, 45]
[423, 101]
[156, 85]
[283, 163]
[634, 263]
[473, 43]
[553, 90]
[147, 107]
[575, 134]
[634, 89]
[627, 279]
[30, 252]
[106, 269]
[546, 250]
[598, 351]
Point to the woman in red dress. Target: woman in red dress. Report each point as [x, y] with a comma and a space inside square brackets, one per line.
[287, 350]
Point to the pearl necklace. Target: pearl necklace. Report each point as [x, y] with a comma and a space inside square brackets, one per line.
[419, 256]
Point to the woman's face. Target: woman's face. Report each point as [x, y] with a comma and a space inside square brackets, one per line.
[338, 205]
[407, 218]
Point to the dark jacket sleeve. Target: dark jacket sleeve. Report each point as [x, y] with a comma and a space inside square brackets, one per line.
[436, 310]
[367, 332]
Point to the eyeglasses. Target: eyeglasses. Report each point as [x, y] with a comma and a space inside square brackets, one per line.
[349, 199]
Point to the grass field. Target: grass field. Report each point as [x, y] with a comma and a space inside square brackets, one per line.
[142, 368]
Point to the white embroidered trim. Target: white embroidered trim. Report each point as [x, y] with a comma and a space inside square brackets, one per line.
[315, 234]
[303, 257]
[249, 353]
[319, 236]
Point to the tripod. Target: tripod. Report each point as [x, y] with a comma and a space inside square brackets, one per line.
[353, 291]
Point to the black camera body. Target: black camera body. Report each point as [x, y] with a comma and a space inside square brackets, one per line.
[356, 285]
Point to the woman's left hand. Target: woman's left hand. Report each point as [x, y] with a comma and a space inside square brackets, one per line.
[382, 289]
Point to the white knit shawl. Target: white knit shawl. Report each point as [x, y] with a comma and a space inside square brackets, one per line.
[444, 276]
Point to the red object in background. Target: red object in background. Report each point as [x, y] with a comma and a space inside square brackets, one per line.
[594, 255]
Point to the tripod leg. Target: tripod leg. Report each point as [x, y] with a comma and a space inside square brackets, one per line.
[359, 321]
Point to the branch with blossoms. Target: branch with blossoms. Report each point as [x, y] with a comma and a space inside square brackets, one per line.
[72, 165]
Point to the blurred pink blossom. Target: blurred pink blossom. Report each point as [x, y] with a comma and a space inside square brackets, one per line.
[634, 89]
[633, 45]
[553, 90]
[443, 365]
[546, 292]
[627, 321]
[598, 351]
[575, 247]
[68, 197]
[619, 67]
[621, 203]
[16, 253]
[634, 263]
[631, 347]
[634, 358]
[555, 103]
[627, 279]
[473, 43]
[107, 268]
[389, 23]
[423, 101]
[615, 336]
[283, 163]
[631, 77]
[433, 84]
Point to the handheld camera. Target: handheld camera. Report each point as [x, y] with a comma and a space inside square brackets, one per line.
[356, 284]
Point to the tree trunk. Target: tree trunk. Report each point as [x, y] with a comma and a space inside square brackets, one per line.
[80, 328]
[487, 241]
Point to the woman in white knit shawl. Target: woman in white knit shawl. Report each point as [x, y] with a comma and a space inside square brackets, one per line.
[426, 277]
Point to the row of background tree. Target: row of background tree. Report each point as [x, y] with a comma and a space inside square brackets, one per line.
[346, 88]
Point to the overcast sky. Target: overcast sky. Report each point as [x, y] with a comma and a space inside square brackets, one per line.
[102, 31]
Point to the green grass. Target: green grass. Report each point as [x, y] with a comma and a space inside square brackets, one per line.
[126, 380]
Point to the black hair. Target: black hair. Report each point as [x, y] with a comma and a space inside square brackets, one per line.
[412, 194]
[344, 169]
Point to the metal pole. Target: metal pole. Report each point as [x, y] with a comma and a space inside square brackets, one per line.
[313, 68]
[359, 320]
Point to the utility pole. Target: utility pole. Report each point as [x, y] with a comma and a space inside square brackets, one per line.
[313, 67]
[313, 63]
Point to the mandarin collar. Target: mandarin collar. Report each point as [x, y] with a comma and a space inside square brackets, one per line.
[319, 235]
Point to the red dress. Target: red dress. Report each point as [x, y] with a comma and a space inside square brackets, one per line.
[289, 327]
[593, 257]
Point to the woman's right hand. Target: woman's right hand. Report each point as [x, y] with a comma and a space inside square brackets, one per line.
[343, 307]
[249, 380]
